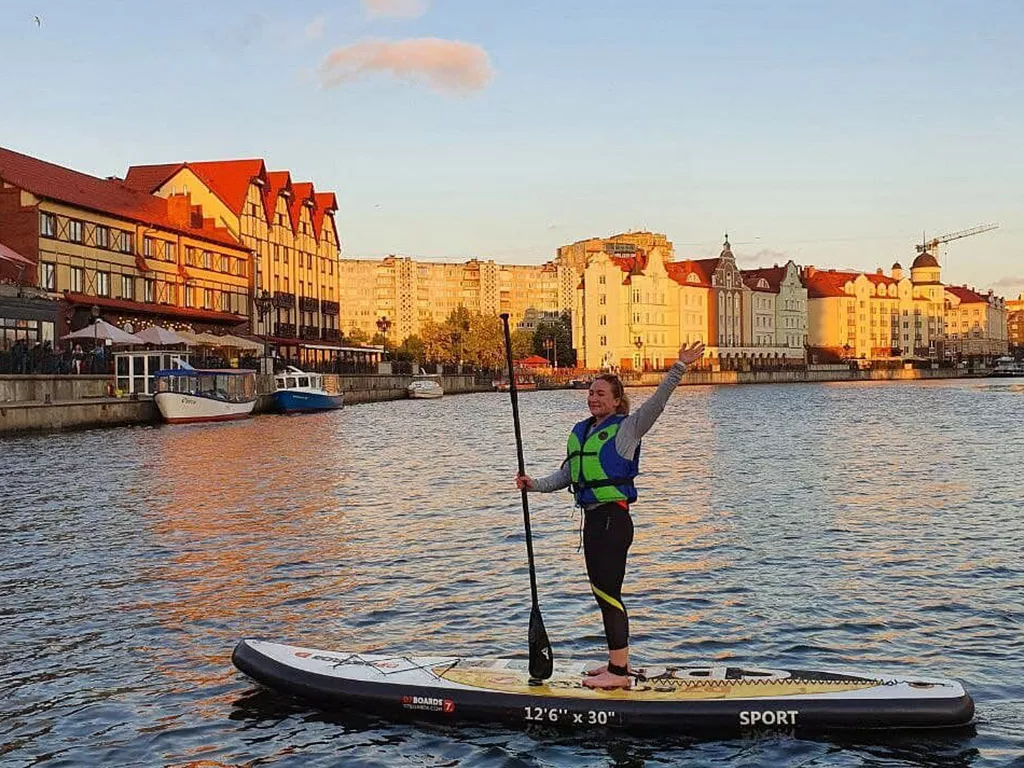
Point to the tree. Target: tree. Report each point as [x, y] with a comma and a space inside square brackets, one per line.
[485, 342]
[412, 349]
[358, 336]
[522, 344]
[560, 330]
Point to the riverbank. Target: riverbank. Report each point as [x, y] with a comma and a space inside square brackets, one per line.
[38, 403]
[810, 375]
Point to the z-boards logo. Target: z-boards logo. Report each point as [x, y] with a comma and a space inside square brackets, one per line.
[428, 704]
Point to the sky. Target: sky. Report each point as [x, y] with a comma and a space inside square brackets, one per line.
[833, 133]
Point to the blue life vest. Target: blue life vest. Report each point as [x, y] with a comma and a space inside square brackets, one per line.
[597, 473]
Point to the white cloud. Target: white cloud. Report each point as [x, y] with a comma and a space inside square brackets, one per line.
[444, 65]
[395, 9]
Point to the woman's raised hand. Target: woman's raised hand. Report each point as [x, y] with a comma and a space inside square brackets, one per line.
[691, 353]
[524, 482]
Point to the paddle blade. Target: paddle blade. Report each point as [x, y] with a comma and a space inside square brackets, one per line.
[542, 659]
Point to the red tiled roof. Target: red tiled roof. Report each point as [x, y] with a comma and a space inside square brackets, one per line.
[681, 270]
[228, 179]
[113, 197]
[325, 201]
[824, 283]
[302, 192]
[772, 275]
[149, 178]
[277, 182]
[967, 295]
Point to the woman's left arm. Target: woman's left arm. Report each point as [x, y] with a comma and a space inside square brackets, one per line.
[637, 424]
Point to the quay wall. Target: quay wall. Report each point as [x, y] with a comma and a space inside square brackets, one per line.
[798, 376]
[46, 403]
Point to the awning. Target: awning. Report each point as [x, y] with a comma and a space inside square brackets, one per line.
[8, 254]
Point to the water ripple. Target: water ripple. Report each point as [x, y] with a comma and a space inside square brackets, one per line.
[867, 525]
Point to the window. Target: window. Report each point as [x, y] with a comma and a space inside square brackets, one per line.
[47, 225]
[190, 296]
[102, 236]
[147, 247]
[604, 341]
[225, 301]
[285, 249]
[48, 276]
[127, 242]
[77, 280]
[170, 251]
[602, 299]
[149, 291]
[208, 298]
[74, 230]
[127, 287]
[206, 260]
[601, 280]
[277, 252]
[102, 283]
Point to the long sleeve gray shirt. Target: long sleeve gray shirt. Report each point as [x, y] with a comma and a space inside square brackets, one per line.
[633, 427]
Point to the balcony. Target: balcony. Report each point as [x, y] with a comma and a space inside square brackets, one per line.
[285, 330]
[330, 334]
[329, 307]
[309, 304]
[309, 332]
[284, 300]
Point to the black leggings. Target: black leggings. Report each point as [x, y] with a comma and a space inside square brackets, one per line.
[607, 535]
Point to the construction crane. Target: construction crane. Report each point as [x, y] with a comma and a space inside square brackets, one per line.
[932, 246]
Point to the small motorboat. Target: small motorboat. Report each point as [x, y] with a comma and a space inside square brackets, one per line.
[1007, 366]
[425, 386]
[303, 392]
[188, 394]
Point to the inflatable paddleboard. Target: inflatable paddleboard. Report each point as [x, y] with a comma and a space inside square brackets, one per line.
[716, 698]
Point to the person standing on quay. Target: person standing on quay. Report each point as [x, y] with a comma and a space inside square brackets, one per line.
[603, 457]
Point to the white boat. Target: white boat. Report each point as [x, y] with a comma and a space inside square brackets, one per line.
[425, 386]
[1007, 366]
[188, 394]
[302, 392]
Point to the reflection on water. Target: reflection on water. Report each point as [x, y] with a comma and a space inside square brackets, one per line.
[872, 525]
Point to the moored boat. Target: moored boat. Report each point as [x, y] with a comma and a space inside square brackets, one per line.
[1007, 366]
[425, 386]
[185, 395]
[303, 392]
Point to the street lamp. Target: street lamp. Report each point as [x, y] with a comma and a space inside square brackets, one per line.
[550, 345]
[383, 325]
[639, 345]
[95, 312]
[264, 302]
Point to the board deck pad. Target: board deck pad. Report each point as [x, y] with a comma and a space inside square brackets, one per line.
[692, 698]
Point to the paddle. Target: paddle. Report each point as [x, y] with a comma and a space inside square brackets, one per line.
[541, 657]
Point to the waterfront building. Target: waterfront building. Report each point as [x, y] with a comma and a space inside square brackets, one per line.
[289, 227]
[635, 311]
[872, 316]
[409, 292]
[98, 246]
[977, 324]
[778, 312]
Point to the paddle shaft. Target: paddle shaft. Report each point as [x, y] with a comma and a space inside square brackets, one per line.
[514, 393]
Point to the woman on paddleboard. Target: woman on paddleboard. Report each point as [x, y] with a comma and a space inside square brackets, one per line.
[603, 457]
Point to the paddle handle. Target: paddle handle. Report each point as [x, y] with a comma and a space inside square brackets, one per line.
[514, 394]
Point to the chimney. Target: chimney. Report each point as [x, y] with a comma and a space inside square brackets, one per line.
[178, 210]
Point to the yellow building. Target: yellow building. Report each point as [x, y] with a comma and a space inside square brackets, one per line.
[409, 292]
[138, 259]
[871, 316]
[290, 228]
[635, 311]
[977, 323]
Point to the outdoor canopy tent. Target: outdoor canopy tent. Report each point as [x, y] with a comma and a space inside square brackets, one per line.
[161, 336]
[101, 329]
